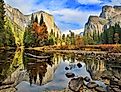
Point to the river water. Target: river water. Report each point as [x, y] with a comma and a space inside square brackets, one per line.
[35, 71]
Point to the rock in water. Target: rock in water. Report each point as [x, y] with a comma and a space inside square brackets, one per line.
[116, 90]
[79, 65]
[70, 75]
[92, 85]
[75, 84]
[66, 68]
[87, 79]
[100, 89]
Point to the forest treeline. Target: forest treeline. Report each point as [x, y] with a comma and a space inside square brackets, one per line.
[110, 35]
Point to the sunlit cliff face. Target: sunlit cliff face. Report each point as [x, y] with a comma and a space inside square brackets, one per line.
[96, 24]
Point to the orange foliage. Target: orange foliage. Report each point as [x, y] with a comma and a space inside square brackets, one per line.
[79, 41]
[40, 30]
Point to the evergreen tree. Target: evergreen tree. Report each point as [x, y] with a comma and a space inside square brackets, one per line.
[2, 23]
[51, 33]
[51, 38]
[116, 38]
[63, 37]
[110, 34]
[36, 19]
[57, 35]
[10, 39]
[104, 37]
[98, 35]
[72, 37]
[118, 30]
[95, 37]
[29, 37]
[32, 18]
[41, 20]
[68, 41]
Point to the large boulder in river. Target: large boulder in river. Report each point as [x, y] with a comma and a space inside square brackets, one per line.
[79, 65]
[76, 84]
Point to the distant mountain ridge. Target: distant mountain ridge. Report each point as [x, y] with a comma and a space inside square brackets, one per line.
[109, 16]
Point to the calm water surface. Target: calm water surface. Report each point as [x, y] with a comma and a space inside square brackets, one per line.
[34, 71]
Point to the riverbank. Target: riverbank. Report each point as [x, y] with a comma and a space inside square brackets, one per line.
[73, 51]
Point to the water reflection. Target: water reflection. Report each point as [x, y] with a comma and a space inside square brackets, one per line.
[37, 68]
[5, 62]
[11, 64]
[49, 69]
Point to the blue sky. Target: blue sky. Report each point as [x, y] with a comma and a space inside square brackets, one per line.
[68, 14]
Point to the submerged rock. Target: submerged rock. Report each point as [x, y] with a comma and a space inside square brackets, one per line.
[116, 90]
[76, 84]
[119, 83]
[70, 75]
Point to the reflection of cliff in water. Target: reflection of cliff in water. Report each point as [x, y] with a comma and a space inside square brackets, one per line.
[40, 66]
[98, 64]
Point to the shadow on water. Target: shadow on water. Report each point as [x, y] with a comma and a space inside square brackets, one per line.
[33, 70]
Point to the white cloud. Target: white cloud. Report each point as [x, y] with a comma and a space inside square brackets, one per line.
[23, 5]
[89, 1]
[73, 16]
[113, 2]
[116, 2]
[77, 31]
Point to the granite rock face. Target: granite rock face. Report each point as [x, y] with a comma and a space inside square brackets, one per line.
[24, 20]
[48, 19]
[109, 16]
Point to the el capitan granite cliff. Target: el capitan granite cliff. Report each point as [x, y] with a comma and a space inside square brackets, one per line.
[19, 22]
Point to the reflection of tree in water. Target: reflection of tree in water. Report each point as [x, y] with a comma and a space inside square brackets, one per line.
[114, 66]
[98, 64]
[6, 58]
[63, 57]
[37, 67]
[94, 63]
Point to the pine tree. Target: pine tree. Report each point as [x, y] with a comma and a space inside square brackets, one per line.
[51, 33]
[41, 20]
[118, 30]
[116, 38]
[110, 34]
[63, 37]
[68, 42]
[2, 23]
[104, 37]
[32, 18]
[36, 19]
